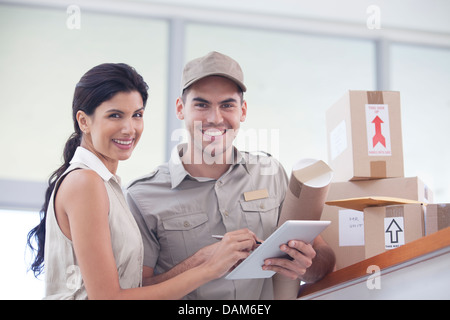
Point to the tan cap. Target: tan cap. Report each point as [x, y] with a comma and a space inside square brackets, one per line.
[213, 64]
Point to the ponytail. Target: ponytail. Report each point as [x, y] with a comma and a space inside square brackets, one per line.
[97, 85]
[38, 232]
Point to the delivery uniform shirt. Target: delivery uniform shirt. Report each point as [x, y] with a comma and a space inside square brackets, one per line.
[63, 278]
[177, 215]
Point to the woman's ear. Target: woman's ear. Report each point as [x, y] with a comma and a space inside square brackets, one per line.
[83, 121]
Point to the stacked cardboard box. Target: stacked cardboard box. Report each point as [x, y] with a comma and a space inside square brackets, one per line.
[366, 154]
[387, 222]
[437, 217]
[365, 136]
[346, 234]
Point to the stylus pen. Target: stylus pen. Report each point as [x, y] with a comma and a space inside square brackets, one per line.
[215, 236]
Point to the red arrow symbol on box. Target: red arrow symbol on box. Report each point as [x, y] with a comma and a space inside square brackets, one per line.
[378, 137]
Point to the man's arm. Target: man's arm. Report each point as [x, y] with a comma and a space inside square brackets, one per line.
[308, 263]
[322, 264]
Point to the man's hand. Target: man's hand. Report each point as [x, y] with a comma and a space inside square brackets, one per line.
[306, 262]
[301, 254]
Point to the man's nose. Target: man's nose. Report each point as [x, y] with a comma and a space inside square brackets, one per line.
[215, 116]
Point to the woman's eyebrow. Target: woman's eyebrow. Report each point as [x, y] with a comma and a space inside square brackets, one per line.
[114, 111]
[121, 112]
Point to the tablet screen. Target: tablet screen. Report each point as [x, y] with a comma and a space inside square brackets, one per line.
[304, 230]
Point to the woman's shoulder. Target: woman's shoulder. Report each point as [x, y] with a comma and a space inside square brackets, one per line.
[82, 185]
[83, 178]
[80, 199]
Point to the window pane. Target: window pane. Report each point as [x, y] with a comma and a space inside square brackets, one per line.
[41, 61]
[422, 75]
[16, 282]
[292, 79]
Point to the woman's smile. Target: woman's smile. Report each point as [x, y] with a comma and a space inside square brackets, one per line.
[123, 144]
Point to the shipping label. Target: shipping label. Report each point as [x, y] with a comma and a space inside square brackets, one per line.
[394, 234]
[351, 228]
[378, 130]
[338, 140]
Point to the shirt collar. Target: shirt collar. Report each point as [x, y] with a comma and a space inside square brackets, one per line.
[90, 160]
[178, 173]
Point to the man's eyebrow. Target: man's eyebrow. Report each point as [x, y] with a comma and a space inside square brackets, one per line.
[229, 100]
[200, 100]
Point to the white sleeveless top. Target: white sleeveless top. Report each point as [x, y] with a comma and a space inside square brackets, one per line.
[63, 279]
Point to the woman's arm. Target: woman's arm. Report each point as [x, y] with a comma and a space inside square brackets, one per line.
[82, 208]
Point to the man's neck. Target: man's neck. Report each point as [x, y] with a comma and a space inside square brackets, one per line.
[198, 166]
[213, 171]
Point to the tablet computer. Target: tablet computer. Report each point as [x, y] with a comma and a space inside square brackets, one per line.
[251, 267]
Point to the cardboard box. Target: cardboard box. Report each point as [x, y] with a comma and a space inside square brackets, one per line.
[365, 136]
[437, 217]
[348, 252]
[390, 227]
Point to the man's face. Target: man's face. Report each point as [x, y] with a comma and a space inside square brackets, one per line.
[213, 110]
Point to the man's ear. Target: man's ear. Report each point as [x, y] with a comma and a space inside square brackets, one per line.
[244, 111]
[180, 109]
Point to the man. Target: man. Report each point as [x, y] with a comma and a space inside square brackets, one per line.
[200, 191]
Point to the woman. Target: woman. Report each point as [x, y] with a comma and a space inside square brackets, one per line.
[88, 241]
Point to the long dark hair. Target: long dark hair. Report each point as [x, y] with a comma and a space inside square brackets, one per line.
[97, 85]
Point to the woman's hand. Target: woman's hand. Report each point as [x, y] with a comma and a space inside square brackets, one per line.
[228, 252]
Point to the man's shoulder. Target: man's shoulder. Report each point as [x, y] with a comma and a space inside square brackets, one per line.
[262, 163]
[160, 175]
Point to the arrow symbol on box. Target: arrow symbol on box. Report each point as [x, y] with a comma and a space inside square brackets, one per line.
[394, 229]
[378, 137]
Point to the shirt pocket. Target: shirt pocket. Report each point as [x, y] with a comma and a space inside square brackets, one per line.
[261, 215]
[182, 234]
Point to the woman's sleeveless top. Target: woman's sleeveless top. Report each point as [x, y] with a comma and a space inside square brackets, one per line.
[63, 279]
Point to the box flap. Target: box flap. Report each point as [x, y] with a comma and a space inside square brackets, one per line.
[363, 202]
[313, 173]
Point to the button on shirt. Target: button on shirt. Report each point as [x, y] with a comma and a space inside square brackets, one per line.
[178, 213]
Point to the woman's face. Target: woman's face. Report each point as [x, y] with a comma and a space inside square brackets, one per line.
[114, 129]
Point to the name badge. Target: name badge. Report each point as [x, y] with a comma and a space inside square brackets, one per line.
[255, 195]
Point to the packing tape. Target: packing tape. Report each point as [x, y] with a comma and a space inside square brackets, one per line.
[378, 169]
[443, 216]
[375, 97]
[395, 211]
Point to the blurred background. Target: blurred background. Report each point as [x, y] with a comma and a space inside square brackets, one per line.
[298, 58]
